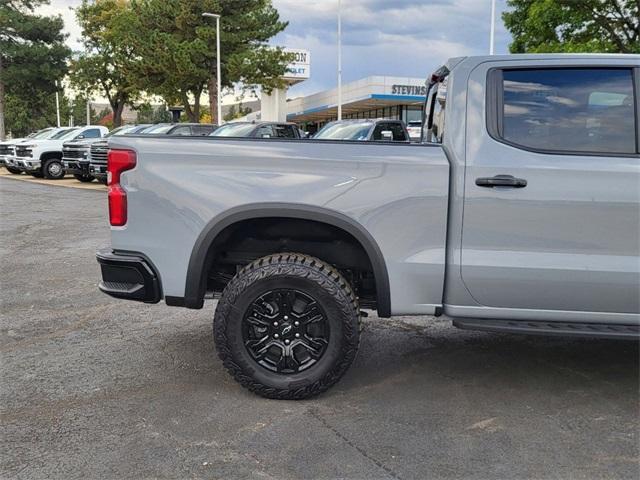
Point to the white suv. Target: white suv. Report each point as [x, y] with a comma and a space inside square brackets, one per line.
[43, 157]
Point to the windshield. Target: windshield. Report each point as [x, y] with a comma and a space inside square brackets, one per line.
[159, 129]
[44, 133]
[344, 131]
[120, 130]
[234, 130]
[64, 134]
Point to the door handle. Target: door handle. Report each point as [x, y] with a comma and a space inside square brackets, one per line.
[501, 181]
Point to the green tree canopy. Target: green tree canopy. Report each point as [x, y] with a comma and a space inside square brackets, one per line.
[32, 58]
[174, 47]
[542, 26]
[104, 66]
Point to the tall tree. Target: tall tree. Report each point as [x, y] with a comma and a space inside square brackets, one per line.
[175, 48]
[104, 64]
[540, 26]
[32, 57]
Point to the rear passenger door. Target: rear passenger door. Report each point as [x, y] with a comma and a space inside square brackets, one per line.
[552, 197]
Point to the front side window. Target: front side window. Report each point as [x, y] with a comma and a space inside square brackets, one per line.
[92, 133]
[234, 130]
[587, 110]
[284, 131]
[183, 131]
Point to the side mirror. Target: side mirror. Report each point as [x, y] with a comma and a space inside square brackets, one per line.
[387, 135]
[80, 137]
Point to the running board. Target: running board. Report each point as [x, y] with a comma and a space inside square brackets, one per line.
[593, 330]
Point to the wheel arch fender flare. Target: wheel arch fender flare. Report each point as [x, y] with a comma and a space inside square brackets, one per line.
[201, 259]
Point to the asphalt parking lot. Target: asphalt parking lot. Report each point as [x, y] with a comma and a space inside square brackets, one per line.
[98, 388]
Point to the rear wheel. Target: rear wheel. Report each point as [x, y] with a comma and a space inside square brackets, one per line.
[53, 169]
[287, 326]
[83, 178]
[13, 170]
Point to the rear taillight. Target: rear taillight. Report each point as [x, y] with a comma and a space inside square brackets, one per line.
[118, 161]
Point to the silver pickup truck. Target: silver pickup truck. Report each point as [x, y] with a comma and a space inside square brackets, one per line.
[518, 212]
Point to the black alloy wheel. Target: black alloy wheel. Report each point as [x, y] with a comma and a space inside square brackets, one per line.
[285, 331]
[287, 326]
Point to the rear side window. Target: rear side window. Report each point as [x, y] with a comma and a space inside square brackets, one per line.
[579, 110]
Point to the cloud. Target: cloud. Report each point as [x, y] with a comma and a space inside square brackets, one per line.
[386, 37]
[408, 38]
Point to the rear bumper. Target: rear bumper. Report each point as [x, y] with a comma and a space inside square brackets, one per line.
[128, 276]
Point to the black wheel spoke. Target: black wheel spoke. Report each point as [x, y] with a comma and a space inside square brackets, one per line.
[314, 346]
[285, 331]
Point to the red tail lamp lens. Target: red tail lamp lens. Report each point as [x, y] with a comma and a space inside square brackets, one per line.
[118, 161]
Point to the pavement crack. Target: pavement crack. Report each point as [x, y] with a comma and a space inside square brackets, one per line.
[315, 414]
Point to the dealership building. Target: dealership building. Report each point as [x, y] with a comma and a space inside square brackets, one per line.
[398, 98]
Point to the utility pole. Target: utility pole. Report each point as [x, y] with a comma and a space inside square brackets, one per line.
[339, 60]
[88, 111]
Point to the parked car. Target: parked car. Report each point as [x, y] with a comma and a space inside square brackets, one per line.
[184, 129]
[7, 148]
[75, 154]
[364, 130]
[98, 151]
[414, 128]
[43, 157]
[259, 130]
[518, 213]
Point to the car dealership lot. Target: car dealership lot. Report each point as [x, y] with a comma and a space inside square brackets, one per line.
[93, 387]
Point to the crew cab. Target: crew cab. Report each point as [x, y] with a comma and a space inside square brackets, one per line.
[517, 212]
[259, 129]
[43, 157]
[364, 130]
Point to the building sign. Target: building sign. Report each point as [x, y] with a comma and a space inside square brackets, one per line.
[300, 68]
[417, 90]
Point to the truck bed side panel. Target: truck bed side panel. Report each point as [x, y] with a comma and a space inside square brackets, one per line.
[398, 193]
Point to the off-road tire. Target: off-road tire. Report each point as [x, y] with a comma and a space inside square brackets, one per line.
[13, 170]
[310, 276]
[83, 178]
[49, 172]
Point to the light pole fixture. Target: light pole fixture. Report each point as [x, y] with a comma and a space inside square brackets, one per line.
[218, 80]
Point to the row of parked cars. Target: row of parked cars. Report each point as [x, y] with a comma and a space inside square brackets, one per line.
[82, 151]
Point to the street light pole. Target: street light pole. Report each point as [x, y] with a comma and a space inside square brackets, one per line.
[218, 80]
[493, 27]
[57, 106]
[339, 60]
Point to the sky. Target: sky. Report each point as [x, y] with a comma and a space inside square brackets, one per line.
[406, 38]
